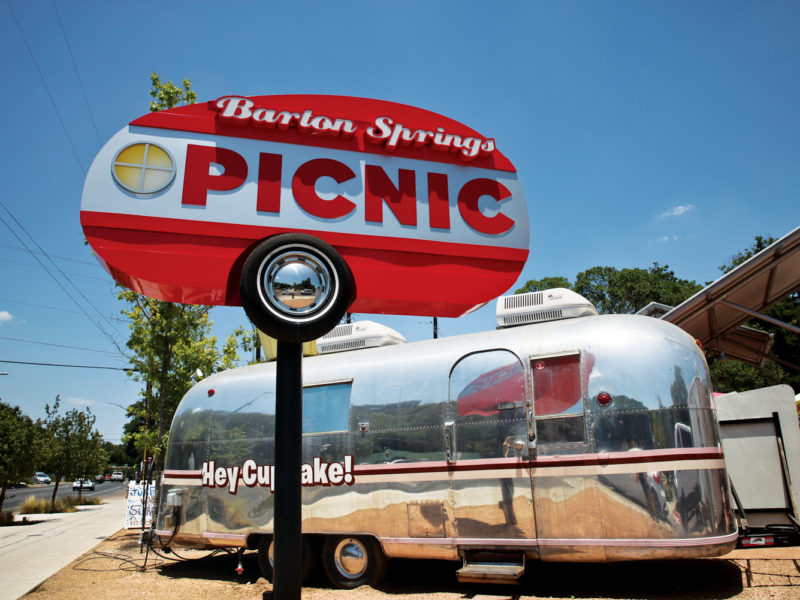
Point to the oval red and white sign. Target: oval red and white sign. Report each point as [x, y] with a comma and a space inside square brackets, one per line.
[428, 214]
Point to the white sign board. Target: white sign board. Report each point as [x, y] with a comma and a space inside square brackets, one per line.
[133, 511]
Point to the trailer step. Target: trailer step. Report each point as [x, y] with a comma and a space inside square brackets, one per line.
[490, 572]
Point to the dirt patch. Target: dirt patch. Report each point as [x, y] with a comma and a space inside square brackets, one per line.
[116, 570]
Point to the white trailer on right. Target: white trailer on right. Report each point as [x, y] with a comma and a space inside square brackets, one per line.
[761, 441]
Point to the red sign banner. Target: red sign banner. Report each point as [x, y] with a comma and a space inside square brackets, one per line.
[428, 215]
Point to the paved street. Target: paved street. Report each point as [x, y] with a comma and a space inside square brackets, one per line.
[16, 496]
[31, 553]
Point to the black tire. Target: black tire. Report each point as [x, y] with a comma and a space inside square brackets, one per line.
[265, 561]
[353, 561]
[317, 309]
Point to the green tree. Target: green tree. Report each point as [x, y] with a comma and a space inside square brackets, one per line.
[169, 342]
[118, 455]
[629, 290]
[17, 436]
[615, 291]
[783, 366]
[597, 286]
[249, 342]
[545, 283]
[168, 95]
[70, 447]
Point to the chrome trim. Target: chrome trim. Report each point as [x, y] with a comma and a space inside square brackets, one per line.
[495, 542]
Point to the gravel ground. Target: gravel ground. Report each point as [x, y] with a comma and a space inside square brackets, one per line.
[113, 571]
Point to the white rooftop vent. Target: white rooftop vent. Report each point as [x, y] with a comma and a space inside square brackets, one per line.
[537, 307]
[354, 336]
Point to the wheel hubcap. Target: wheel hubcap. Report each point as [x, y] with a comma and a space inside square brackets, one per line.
[351, 558]
[296, 283]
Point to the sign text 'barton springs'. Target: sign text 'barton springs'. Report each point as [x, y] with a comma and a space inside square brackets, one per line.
[384, 129]
[252, 474]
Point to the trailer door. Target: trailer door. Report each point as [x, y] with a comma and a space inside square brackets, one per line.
[567, 502]
[486, 429]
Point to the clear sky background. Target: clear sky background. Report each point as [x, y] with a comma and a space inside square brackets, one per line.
[641, 131]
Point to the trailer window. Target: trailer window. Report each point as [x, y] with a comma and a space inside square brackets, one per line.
[487, 404]
[557, 385]
[558, 402]
[326, 408]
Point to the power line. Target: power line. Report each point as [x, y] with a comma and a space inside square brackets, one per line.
[54, 345]
[24, 264]
[77, 75]
[66, 310]
[64, 275]
[71, 297]
[76, 260]
[47, 88]
[40, 364]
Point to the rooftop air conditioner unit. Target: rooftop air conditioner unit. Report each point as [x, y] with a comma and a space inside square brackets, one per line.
[354, 336]
[537, 307]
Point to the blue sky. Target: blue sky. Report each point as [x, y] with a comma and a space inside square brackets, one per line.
[641, 131]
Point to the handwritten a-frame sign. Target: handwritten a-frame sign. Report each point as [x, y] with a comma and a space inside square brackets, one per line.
[301, 207]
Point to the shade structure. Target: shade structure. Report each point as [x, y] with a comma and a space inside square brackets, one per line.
[714, 316]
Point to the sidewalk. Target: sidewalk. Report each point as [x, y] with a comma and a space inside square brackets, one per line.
[29, 554]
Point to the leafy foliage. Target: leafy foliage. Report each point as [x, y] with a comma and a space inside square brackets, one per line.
[248, 341]
[546, 283]
[169, 342]
[118, 454]
[17, 435]
[70, 447]
[615, 291]
[629, 290]
[168, 95]
[758, 245]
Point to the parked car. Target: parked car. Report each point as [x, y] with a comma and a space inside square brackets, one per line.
[117, 476]
[99, 478]
[40, 477]
[107, 477]
[82, 484]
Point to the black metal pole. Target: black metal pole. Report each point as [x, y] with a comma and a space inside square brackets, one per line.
[287, 568]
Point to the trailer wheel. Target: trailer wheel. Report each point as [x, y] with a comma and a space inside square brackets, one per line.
[351, 561]
[295, 287]
[266, 559]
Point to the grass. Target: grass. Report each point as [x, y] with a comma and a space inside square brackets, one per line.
[35, 506]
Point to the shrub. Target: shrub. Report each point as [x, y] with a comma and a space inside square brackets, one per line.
[37, 506]
[6, 518]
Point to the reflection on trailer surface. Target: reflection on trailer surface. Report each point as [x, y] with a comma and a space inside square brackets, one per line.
[587, 439]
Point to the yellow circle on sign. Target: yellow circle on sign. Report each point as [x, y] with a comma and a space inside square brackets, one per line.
[143, 168]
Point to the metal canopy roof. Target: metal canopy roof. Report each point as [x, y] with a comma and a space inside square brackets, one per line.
[715, 314]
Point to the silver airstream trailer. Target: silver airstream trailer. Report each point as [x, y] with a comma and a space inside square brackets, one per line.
[561, 436]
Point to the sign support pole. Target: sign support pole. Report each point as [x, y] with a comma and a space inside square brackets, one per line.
[287, 568]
